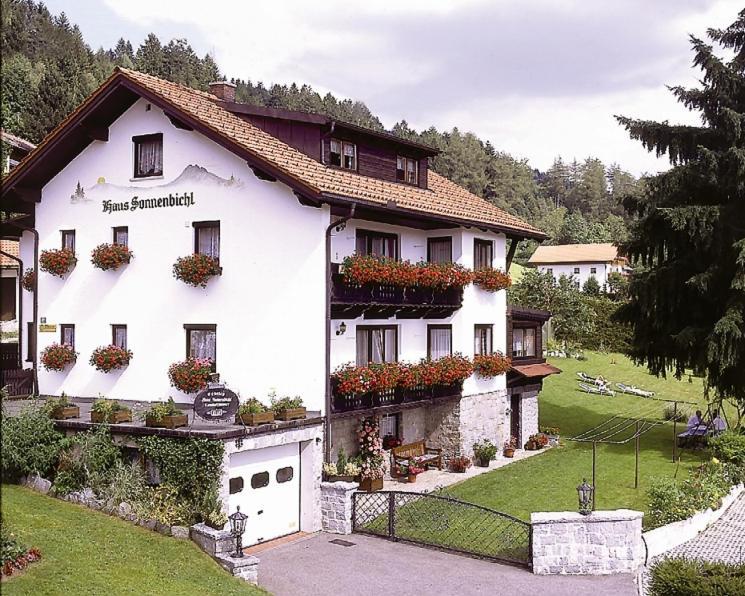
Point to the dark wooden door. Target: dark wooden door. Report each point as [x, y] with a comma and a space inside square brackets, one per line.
[515, 418]
[8, 296]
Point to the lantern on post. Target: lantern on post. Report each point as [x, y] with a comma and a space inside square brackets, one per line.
[237, 527]
[585, 492]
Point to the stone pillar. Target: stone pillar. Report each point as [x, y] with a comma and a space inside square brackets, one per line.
[336, 506]
[528, 414]
[601, 543]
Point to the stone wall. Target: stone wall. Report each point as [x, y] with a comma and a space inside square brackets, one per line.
[601, 543]
[336, 506]
[344, 434]
[528, 415]
[442, 427]
[413, 425]
[483, 416]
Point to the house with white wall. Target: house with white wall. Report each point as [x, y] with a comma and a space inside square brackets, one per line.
[279, 199]
[580, 262]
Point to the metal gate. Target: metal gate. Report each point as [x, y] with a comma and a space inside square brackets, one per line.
[444, 523]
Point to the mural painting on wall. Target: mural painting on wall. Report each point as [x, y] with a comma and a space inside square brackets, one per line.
[116, 197]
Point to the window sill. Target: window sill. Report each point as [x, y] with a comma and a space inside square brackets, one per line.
[146, 178]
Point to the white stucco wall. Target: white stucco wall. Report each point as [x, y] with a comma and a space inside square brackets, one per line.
[268, 305]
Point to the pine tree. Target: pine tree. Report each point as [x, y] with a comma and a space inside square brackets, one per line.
[688, 304]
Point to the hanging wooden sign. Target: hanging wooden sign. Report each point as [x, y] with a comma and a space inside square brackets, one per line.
[216, 402]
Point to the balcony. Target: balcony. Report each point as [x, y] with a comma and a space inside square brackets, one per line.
[393, 400]
[379, 301]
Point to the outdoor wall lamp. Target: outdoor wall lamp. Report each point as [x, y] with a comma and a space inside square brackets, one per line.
[341, 329]
[237, 527]
[585, 492]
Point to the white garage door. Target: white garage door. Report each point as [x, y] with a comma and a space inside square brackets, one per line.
[265, 484]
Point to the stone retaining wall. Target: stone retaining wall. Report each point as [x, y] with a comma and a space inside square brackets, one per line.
[601, 543]
[336, 506]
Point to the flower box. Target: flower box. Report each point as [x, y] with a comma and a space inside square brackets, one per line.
[109, 257]
[291, 414]
[57, 261]
[65, 412]
[113, 418]
[255, 419]
[371, 484]
[338, 478]
[175, 421]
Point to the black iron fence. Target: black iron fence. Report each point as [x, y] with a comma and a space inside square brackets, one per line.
[444, 523]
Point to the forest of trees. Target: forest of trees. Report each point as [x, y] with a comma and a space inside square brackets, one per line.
[48, 69]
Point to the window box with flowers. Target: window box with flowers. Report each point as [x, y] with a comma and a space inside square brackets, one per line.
[288, 408]
[196, 270]
[61, 408]
[190, 375]
[57, 261]
[110, 412]
[58, 357]
[165, 415]
[108, 358]
[28, 280]
[371, 459]
[488, 366]
[109, 257]
[253, 413]
[344, 470]
[491, 280]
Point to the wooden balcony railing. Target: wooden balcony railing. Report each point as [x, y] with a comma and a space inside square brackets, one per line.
[392, 399]
[380, 300]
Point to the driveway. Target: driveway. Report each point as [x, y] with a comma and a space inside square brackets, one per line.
[315, 566]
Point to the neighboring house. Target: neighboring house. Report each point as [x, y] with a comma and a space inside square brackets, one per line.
[581, 261]
[170, 171]
[18, 149]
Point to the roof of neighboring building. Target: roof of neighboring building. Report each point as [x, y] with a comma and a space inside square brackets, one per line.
[11, 247]
[575, 253]
[443, 200]
[16, 142]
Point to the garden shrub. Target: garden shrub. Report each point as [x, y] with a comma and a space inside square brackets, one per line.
[124, 483]
[190, 466]
[729, 447]
[683, 577]
[86, 461]
[30, 444]
[163, 504]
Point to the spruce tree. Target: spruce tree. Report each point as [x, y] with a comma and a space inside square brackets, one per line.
[688, 302]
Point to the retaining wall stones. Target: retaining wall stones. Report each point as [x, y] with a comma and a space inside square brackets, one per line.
[601, 543]
[336, 506]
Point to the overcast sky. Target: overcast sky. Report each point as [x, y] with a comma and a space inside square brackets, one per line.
[537, 78]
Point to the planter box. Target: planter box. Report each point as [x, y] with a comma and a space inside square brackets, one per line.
[255, 419]
[114, 417]
[371, 484]
[337, 478]
[291, 414]
[65, 412]
[168, 421]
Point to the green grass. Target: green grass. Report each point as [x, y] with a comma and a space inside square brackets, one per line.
[516, 272]
[87, 552]
[548, 481]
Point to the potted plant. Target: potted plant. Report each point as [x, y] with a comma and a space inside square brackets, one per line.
[108, 358]
[164, 415]
[489, 366]
[371, 460]
[58, 357]
[288, 408]
[390, 441]
[190, 375]
[109, 411]
[196, 270]
[110, 256]
[62, 408]
[534, 443]
[57, 261]
[343, 470]
[415, 468]
[509, 447]
[484, 452]
[28, 281]
[459, 464]
[553, 434]
[253, 413]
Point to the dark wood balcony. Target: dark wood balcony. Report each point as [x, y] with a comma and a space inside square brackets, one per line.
[379, 301]
[393, 400]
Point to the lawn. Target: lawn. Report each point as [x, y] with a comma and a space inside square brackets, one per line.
[548, 481]
[87, 552]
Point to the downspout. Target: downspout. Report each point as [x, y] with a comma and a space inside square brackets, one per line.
[337, 225]
[34, 355]
[20, 304]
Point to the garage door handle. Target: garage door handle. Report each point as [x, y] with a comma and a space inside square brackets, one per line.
[259, 512]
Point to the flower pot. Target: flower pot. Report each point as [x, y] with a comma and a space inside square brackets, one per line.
[175, 421]
[291, 414]
[553, 440]
[371, 484]
[482, 462]
[412, 478]
[509, 452]
[65, 412]
[338, 478]
[255, 419]
[114, 418]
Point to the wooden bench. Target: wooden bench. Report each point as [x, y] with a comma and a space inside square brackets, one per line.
[429, 456]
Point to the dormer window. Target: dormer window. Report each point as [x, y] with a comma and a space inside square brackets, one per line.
[407, 170]
[343, 154]
[148, 155]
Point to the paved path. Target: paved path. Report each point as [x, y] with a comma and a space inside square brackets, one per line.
[723, 541]
[374, 566]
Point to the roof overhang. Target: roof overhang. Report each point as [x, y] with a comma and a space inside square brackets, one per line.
[535, 371]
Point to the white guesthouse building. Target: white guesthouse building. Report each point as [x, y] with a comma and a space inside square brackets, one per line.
[170, 171]
[580, 262]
